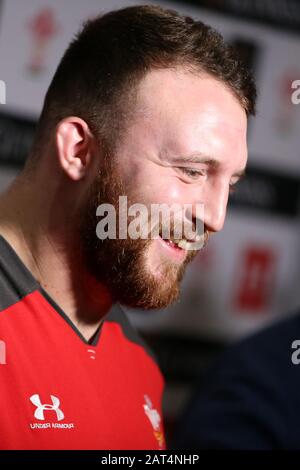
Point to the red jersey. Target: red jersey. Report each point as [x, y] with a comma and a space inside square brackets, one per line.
[58, 391]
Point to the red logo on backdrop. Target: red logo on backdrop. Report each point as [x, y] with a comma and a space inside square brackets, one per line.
[258, 269]
[43, 27]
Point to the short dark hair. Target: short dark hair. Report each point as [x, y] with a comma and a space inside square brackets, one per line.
[110, 55]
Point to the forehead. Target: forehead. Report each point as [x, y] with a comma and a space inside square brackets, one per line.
[192, 113]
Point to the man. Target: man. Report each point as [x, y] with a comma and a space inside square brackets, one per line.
[145, 104]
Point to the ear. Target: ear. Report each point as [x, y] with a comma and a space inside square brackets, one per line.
[74, 144]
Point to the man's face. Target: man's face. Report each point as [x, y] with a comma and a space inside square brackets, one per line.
[185, 145]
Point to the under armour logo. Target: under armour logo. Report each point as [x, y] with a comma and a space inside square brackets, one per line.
[39, 412]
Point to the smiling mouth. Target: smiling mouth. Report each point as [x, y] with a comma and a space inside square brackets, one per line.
[173, 244]
[182, 244]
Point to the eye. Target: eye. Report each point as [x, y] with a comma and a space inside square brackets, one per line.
[191, 172]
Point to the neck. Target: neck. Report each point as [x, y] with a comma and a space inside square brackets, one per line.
[44, 236]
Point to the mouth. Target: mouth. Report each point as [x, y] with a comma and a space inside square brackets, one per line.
[178, 249]
[186, 244]
[175, 245]
[172, 249]
[183, 243]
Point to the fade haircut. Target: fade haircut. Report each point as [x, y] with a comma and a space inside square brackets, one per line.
[98, 75]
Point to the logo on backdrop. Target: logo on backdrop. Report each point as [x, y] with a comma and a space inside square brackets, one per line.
[43, 29]
[257, 279]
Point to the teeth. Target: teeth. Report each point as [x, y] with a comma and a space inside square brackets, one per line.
[185, 245]
[181, 243]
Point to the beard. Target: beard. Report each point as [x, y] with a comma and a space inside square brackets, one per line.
[121, 264]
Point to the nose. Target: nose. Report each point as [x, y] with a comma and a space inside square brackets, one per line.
[215, 202]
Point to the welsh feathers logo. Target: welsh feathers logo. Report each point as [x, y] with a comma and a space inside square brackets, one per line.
[155, 420]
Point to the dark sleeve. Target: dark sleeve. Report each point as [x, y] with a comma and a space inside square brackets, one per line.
[246, 401]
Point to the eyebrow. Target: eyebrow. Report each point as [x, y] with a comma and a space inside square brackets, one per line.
[212, 162]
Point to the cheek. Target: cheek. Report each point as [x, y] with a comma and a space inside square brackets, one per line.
[157, 185]
[163, 191]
